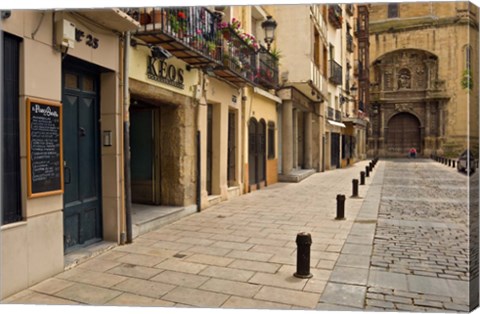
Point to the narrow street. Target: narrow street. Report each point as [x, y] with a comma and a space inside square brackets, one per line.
[403, 246]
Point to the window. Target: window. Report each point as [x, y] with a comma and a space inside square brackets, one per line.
[271, 140]
[392, 10]
[468, 57]
[316, 48]
[11, 188]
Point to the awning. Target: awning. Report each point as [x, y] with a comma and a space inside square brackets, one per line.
[335, 123]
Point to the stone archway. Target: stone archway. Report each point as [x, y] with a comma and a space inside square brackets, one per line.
[404, 132]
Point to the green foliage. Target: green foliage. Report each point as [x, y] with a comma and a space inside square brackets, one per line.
[467, 79]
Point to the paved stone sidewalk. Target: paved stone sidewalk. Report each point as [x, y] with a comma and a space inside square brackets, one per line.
[238, 254]
[419, 257]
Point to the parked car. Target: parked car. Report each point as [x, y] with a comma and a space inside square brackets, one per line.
[466, 162]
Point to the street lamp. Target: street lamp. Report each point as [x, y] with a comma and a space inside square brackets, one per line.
[269, 26]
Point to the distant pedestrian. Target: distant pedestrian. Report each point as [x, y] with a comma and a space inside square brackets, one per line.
[413, 152]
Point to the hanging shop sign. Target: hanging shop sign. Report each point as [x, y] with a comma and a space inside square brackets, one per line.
[160, 71]
[44, 148]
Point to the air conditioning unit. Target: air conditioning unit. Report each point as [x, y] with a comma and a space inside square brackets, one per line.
[65, 33]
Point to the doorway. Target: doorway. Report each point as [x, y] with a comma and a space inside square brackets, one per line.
[403, 134]
[256, 153]
[81, 152]
[144, 149]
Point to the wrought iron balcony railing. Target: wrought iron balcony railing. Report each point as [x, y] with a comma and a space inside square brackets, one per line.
[335, 73]
[239, 58]
[189, 33]
[349, 38]
[335, 15]
[331, 113]
[193, 34]
[267, 70]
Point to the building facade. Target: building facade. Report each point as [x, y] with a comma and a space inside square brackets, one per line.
[62, 149]
[423, 74]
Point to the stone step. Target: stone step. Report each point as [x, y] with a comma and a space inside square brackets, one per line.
[146, 218]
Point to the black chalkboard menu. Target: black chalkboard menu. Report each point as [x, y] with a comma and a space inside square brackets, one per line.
[44, 147]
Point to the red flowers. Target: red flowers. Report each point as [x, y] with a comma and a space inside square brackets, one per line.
[181, 15]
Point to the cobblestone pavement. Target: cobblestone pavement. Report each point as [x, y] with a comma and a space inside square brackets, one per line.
[419, 257]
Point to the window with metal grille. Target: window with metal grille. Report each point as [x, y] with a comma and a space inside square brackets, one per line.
[271, 140]
[11, 188]
[392, 10]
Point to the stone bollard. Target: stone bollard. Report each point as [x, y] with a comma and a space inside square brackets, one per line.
[340, 207]
[367, 171]
[355, 188]
[304, 241]
[362, 177]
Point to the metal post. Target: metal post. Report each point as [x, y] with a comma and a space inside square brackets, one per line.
[362, 177]
[340, 207]
[449, 162]
[453, 163]
[304, 241]
[367, 171]
[355, 188]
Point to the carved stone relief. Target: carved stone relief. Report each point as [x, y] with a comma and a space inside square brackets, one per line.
[407, 69]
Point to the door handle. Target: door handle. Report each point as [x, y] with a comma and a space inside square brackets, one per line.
[69, 172]
[82, 132]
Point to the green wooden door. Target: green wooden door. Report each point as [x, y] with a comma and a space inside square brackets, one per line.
[82, 197]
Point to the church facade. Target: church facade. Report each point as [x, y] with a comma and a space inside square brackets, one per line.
[423, 79]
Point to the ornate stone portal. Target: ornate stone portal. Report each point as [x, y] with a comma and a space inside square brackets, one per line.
[407, 104]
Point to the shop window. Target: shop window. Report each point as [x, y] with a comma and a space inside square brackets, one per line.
[271, 140]
[392, 10]
[11, 186]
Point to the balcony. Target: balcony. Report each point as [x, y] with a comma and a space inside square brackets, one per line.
[239, 59]
[267, 71]
[189, 33]
[335, 73]
[335, 15]
[349, 42]
[331, 113]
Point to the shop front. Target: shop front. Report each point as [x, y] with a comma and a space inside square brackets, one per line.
[162, 136]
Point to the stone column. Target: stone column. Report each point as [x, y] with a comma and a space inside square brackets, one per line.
[295, 138]
[287, 137]
[308, 140]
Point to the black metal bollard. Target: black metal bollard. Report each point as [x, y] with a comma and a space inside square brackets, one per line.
[449, 162]
[355, 188]
[304, 241]
[367, 171]
[340, 207]
[362, 177]
[453, 163]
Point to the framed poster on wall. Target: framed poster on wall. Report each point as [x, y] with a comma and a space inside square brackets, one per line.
[44, 148]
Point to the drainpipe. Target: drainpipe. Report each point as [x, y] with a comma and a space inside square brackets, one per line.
[126, 139]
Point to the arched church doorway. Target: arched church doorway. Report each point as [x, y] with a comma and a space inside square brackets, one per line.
[403, 134]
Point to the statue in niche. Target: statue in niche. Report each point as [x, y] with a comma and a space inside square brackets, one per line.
[404, 79]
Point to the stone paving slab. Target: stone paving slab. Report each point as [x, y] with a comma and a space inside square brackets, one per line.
[244, 247]
[87, 294]
[344, 295]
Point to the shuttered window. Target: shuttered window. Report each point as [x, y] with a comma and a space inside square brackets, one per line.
[11, 188]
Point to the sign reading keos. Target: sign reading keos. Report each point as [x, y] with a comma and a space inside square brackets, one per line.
[160, 71]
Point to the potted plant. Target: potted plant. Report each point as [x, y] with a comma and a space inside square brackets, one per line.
[212, 49]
